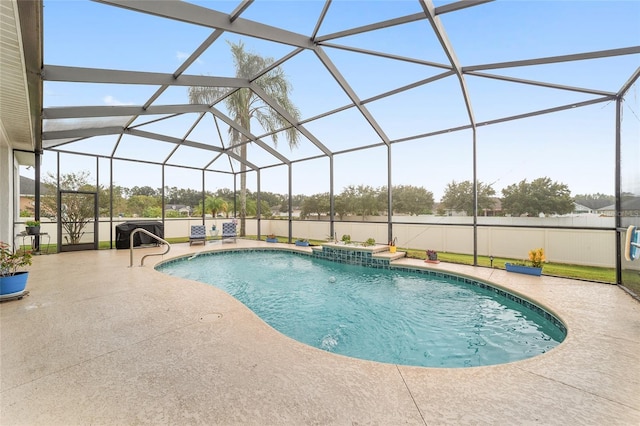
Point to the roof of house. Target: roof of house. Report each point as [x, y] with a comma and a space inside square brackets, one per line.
[632, 203]
[27, 186]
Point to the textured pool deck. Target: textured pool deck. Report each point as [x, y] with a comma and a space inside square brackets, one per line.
[96, 342]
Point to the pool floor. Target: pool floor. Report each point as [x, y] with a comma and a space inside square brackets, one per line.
[394, 316]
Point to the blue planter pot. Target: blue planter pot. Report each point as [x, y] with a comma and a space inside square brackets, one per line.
[302, 243]
[272, 240]
[521, 269]
[13, 285]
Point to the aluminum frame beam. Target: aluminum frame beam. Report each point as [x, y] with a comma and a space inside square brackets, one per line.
[541, 84]
[268, 100]
[386, 55]
[441, 34]
[351, 94]
[248, 135]
[193, 14]
[407, 19]
[462, 4]
[555, 59]
[53, 113]
[101, 75]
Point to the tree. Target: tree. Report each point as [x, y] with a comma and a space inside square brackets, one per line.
[317, 203]
[118, 200]
[346, 202]
[104, 200]
[265, 210]
[173, 214]
[137, 204]
[341, 205]
[367, 201]
[186, 197]
[412, 200]
[77, 210]
[215, 205]
[143, 190]
[228, 196]
[244, 105]
[540, 196]
[152, 211]
[273, 199]
[459, 197]
[252, 208]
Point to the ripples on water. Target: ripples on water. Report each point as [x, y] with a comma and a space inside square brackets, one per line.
[380, 315]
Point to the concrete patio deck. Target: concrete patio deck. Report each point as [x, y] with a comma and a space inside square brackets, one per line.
[96, 342]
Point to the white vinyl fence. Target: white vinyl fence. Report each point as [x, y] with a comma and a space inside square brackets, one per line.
[581, 246]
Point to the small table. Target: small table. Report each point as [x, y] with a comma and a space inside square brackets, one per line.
[213, 233]
[24, 235]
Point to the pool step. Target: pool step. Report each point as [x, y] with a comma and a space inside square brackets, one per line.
[379, 251]
[390, 256]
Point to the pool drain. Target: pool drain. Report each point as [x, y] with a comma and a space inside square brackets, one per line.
[211, 317]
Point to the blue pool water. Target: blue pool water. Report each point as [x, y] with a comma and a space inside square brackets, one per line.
[381, 315]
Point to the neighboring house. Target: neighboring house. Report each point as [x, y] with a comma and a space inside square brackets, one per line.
[495, 210]
[580, 209]
[607, 210]
[180, 208]
[629, 206]
[28, 194]
[276, 213]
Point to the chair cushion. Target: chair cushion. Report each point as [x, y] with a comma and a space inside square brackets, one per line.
[198, 231]
[229, 229]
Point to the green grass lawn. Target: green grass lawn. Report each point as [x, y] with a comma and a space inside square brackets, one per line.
[590, 273]
[631, 280]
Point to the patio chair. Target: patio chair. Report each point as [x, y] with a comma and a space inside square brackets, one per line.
[229, 231]
[198, 234]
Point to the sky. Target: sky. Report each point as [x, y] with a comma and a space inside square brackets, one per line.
[575, 147]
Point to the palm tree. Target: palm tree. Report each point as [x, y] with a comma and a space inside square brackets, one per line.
[244, 104]
[215, 205]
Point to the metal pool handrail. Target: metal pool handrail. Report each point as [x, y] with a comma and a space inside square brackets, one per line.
[146, 255]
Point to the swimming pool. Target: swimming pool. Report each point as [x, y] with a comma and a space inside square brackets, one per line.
[393, 316]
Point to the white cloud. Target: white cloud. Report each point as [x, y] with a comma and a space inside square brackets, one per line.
[110, 100]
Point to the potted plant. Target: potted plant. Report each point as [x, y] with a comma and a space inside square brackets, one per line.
[346, 238]
[534, 267]
[369, 242]
[271, 238]
[432, 256]
[302, 242]
[33, 227]
[13, 281]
